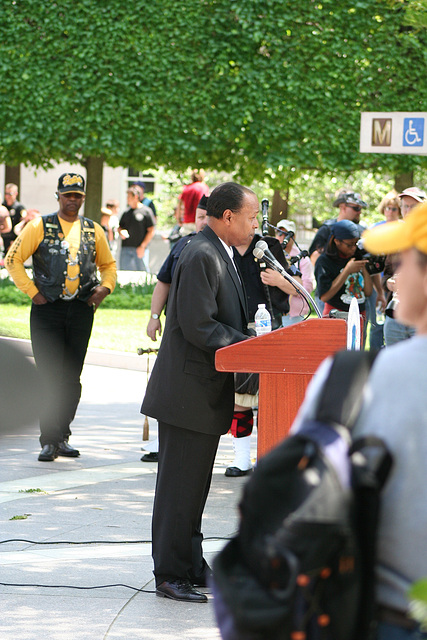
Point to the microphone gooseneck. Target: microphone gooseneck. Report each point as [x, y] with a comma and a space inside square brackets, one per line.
[262, 252]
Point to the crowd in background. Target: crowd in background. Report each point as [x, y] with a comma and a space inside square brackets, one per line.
[341, 267]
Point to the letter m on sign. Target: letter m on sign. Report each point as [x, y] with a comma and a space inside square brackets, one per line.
[381, 132]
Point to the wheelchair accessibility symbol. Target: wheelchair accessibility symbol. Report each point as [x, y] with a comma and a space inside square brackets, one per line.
[413, 132]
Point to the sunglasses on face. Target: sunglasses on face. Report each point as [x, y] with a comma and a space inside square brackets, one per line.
[349, 244]
[355, 207]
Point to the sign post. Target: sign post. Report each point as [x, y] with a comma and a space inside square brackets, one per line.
[395, 132]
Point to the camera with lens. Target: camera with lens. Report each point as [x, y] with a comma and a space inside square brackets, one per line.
[375, 264]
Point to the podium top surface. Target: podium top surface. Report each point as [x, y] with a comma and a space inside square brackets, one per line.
[299, 348]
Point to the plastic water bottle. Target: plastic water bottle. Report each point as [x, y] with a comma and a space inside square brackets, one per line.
[262, 320]
[380, 317]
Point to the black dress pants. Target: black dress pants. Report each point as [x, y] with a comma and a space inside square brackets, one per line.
[60, 333]
[184, 475]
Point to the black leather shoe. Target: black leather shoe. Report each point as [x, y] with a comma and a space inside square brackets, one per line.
[180, 590]
[153, 456]
[48, 453]
[65, 449]
[203, 579]
[235, 472]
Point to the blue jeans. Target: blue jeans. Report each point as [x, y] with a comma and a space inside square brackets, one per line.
[129, 261]
[396, 332]
[392, 632]
[376, 335]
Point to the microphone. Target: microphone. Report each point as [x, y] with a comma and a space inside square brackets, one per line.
[297, 258]
[264, 209]
[261, 251]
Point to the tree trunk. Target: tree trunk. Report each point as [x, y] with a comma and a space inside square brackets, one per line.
[13, 175]
[93, 202]
[279, 209]
[403, 181]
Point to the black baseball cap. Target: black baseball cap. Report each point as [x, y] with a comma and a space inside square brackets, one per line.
[203, 203]
[71, 183]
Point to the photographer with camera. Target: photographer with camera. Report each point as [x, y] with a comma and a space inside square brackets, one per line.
[341, 270]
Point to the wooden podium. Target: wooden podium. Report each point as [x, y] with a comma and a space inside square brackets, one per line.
[286, 360]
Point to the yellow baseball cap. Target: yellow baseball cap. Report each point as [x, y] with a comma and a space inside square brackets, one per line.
[394, 237]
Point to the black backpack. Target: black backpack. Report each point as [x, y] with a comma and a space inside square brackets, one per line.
[302, 564]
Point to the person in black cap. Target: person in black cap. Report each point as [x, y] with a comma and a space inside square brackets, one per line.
[349, 205]
[65, 292]
[340, 272]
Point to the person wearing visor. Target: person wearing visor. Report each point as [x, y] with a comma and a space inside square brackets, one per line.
[67, 250]
[394, 410]
[395, 331]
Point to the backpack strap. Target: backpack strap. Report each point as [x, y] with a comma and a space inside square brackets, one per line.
[380, 459]
[342, 395]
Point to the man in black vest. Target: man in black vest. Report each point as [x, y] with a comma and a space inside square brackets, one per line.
[67, 249]
[192, 401]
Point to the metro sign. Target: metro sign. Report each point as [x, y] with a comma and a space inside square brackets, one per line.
[395, 132]
[381, 132]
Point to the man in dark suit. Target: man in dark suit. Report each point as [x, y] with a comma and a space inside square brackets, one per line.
[193, 402]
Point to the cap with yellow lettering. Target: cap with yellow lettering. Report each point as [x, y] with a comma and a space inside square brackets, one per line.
[71, 183]
[394, 237]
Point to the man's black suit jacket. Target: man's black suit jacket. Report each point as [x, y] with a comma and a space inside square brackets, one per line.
[206, 311]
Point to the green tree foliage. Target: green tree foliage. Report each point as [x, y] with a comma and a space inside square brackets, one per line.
[415, 13]
[254, 86]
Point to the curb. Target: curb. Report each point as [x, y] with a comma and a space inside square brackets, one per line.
[97, 357]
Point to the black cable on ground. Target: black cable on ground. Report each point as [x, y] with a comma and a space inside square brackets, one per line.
[105, 586]
[97, 541]
[68, 586]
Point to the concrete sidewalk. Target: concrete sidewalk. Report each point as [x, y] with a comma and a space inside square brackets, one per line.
[106, 496]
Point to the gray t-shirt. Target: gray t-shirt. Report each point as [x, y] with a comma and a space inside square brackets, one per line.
[395, 409]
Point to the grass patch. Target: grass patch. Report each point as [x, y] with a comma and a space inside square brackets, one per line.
[119, 324]
[113, 329]
[32, 491]
[15, 320]
[125, 296]
[121, 330]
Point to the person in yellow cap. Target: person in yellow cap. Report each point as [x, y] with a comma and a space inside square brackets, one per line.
[395, 410]
[67, 250]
